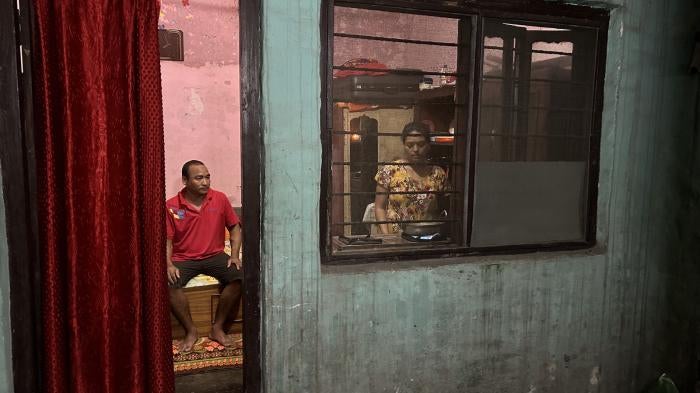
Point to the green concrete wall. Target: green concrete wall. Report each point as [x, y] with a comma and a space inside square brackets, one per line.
[601, 320]
[6, 382]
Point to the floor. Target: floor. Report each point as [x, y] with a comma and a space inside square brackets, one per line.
[215, 381]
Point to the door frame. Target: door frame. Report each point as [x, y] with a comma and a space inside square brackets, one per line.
[17, 160]
[252, 155]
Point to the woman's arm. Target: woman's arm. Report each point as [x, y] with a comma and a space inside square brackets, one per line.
[380, 204]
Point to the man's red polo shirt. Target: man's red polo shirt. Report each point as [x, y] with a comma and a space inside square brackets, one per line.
[198, 234]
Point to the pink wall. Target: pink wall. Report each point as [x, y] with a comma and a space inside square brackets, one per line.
[201, 105]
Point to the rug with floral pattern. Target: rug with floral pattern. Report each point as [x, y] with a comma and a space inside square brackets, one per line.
[207, 354]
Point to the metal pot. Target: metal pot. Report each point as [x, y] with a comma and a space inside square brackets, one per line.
[423, 228]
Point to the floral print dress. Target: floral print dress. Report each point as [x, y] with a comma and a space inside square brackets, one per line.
[400, 178]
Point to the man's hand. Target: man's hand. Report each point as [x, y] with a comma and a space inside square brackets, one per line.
[235, 261]
[173, 273]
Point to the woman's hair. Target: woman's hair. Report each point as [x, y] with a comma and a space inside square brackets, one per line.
[415, 128]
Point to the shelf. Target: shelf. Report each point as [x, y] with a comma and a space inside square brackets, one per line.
[445, 92]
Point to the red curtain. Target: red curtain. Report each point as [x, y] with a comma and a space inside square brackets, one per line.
[99, 138]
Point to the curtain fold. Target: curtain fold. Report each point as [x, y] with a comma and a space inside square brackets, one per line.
[99, 139]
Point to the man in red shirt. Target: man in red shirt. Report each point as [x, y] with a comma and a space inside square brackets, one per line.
[196, 218]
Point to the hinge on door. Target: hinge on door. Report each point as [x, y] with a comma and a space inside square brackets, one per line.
[21, 59]
[21, 52]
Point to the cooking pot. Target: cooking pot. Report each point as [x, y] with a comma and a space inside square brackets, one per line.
[423, 228]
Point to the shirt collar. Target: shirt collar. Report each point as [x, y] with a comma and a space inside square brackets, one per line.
[183, 202]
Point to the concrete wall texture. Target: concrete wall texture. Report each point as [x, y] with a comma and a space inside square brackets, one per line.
[605, 320]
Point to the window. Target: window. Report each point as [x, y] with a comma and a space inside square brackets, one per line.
[451, 129]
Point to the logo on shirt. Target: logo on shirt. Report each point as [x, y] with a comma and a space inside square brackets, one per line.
[178, 214]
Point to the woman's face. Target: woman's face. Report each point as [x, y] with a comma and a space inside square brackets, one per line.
[416, 147]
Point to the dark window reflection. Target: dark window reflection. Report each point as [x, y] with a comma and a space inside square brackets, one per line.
[535, 128]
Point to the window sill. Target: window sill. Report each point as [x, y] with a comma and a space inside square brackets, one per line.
[388, 245]
[376, 264]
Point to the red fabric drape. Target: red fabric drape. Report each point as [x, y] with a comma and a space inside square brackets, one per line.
[99, 139]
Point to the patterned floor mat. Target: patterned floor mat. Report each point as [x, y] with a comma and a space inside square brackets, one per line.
[207, 354]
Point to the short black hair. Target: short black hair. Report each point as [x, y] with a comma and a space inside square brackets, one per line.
[415, 127]
[186, 167]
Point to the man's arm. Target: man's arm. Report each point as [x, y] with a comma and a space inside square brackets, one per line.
[236, 239]
[173, 272]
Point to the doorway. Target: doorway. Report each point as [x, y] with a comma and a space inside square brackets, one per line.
[199, 66]
[19, 179]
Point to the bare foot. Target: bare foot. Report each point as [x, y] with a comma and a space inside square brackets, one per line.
[219, 336]
[188, 342]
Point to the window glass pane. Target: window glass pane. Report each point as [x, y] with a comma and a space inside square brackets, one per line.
[535, 127]
[399, 188]
[493, 62]
[493, 56]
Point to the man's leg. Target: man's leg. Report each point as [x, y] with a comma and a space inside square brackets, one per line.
[233, 314]
[179, 304]
[181, 309]
[229, 299]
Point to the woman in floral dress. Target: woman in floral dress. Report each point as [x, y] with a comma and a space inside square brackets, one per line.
[410, 174]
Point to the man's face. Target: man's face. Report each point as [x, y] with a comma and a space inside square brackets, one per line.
[198, 181]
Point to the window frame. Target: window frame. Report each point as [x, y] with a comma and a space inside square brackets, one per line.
[523, 11]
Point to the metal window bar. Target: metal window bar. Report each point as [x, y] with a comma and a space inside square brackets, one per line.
[346, 223]
[395, 134]
[518, 80]
[384, 105]
[379, 103]
[365, 163]
[552, 109]
[554, 136]
[394, 193]
[549, 52]
[390, 39]
[400, 72]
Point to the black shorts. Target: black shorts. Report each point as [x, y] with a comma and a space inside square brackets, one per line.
[213, 266]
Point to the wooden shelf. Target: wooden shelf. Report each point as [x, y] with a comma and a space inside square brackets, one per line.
[442, 94]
